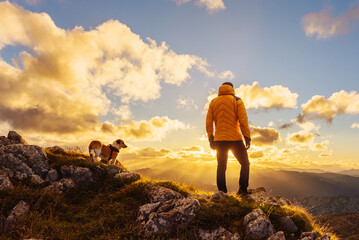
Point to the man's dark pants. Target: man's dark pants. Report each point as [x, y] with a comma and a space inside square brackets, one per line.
[240, 152]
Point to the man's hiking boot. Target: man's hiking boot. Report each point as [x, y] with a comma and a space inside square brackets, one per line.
[242, 192]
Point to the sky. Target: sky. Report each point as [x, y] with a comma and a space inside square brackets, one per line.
[145, 71]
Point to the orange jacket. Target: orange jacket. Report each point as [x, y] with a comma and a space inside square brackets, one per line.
[228, 114]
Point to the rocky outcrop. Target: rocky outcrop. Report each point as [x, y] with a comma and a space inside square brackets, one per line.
[5, 183]
[288, 225]
[16, 138]
[277, 236]
[80, 175]
[18, 211]
[60, 186]
[261, 195]
[219, 233]
[25, 159]
[166, 211]
[257, 226]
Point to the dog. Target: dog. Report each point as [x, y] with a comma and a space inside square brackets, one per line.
[105, 152]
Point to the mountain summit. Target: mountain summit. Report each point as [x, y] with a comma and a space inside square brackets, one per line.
[56, 194]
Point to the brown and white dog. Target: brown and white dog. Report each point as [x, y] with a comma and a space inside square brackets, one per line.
[105, 152]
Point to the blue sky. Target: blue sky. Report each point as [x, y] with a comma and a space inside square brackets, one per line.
[257, 41]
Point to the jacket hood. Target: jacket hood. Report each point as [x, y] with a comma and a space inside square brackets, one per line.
[225, 90]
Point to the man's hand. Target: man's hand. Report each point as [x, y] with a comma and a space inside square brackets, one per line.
[248, 142]
[211, 142]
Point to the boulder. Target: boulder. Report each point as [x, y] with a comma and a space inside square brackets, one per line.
[260, 195]
[56, 150]
[5, 141]
[288, 225]
[219, 233]
[165, 217]
[36, 179]
[28, 159]
[16, 138]
[218, 196]
[167, 211]
[2, 223]
[309, 235]
[81, 176]
[257, 226]
[18, 211]
[127, 177]
[113, 170]
[5, 183]
[52, 176]
[60, 186]
[277, 236]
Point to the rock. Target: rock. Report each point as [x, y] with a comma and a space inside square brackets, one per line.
[257, 225]
[52, 176]
[5, 141]
[218, 196]
[219, 233]
[324, 237]
[14, 136]
[36, 179]
[28, 159]
[60, 186]
[277, 236]
[288, 225]
[127, 177]
[162, 194]
[19, 210]
[165, 217]
[309, 235]
[56, 150]
[5, 183]
[260, 195]
[21, 176]
[167, 211]
[81, 176]
[113, 170]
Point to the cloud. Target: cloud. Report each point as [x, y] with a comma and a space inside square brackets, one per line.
[320, 146]
[63, 79]
[264, 136]
[256, 154]
[325, 155]
[153, 129]
[323, 25]
[226, 75]
[301, 137]
[123, 112]
[355, 125]
[153, 152]
[275, 96]
[186, 103]
[211, 5]
[33, 2]
[193, 149]
[339, 103]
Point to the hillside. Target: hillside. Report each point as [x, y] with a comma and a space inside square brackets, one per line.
[54, 194]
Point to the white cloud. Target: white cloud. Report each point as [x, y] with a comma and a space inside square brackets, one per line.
[339, 103]
[123, 112]
[63, 79]
[301, 137]
[186, 103]
[355, 125]
[275, 96]
[211, 5]
[324, 25]
[226, 75]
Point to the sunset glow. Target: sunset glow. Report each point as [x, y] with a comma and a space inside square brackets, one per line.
[146, 71]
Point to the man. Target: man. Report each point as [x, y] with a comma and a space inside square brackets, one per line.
[228, 114]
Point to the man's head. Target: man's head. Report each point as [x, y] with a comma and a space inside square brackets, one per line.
[228, 83]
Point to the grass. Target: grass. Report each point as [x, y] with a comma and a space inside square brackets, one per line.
[108, 209]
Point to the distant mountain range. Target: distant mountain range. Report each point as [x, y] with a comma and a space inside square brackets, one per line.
[345, 225]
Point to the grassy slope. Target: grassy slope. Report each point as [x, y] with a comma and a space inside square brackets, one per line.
[108, 210]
